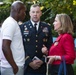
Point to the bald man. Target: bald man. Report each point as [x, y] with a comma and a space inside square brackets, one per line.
[12, 60]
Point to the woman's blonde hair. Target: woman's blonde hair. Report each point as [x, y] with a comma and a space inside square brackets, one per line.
[66, 24]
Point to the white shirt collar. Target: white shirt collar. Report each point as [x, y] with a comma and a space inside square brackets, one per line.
[36, 23]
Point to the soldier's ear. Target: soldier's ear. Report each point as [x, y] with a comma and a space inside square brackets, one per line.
[41, 13]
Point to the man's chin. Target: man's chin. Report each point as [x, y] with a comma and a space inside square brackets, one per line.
[35, 20]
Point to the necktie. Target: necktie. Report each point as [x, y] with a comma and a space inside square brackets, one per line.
[35, 27]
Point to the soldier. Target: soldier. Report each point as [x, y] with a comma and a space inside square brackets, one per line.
[36, 37]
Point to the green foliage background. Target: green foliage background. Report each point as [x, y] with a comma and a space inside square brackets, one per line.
[49, 8]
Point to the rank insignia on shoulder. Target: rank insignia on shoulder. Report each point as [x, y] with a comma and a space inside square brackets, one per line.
[56, 43]
[45, 29]
[20, 22]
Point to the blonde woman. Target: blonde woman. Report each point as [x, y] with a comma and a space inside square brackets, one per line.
[63, 46]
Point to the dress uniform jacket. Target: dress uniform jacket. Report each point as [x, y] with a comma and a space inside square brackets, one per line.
[33, 43]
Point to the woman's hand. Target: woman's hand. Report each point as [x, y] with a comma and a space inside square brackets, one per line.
[51, 59]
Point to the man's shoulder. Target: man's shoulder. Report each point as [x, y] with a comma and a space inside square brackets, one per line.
[42, 22]
[9, 22]
[26, 23]
[45, 24]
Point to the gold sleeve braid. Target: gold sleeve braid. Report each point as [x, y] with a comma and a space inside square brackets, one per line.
[27, 57]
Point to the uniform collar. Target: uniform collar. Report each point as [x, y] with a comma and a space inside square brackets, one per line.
[36, 23]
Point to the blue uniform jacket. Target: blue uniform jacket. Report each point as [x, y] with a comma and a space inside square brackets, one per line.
[33, 43]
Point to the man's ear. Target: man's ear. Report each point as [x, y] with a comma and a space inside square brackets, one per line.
[41, 14]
